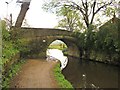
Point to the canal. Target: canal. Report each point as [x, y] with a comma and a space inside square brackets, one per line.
[85, 73]
[89, 74]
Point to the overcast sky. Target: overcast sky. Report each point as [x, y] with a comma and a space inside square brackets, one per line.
[35, 16]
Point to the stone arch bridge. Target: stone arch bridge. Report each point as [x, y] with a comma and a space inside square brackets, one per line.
[38, 39]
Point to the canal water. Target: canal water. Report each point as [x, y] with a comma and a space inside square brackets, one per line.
[88, 74]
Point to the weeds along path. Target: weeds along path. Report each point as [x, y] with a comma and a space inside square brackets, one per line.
[35, 73]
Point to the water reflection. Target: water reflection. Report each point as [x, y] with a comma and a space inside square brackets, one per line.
[55, 54]
[85, 74]
[88, 74]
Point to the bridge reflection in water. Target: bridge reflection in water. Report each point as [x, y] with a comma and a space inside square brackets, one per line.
[55, 54]
[87, 74]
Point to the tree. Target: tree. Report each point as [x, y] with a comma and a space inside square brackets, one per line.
[21, 16]
[70, 20]
[87, 9]
[88, 12]
[108, 38]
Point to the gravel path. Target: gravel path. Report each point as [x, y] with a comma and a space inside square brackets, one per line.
[35, 73]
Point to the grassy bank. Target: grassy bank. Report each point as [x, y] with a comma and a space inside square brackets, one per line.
[62, 82]
[63, 49]
[60, 47]
[12, 72]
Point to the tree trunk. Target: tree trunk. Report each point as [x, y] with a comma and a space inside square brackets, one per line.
[24, 8]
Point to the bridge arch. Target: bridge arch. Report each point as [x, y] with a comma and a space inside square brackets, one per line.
[38, 40]
[72, 48]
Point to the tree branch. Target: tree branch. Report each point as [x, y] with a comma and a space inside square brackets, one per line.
[84, 13]
[95, 12]
[102, 7]
[83, 3]
[78, 7]
[75, 6]
[94, 4]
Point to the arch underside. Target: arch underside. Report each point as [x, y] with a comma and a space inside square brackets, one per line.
[37, 46]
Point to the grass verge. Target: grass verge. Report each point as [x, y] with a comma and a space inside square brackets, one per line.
[12, 72]
[62, 82]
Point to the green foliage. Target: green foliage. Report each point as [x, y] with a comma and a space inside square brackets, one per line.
[60, 47]
[5, 33]
[62, 82]
[70, 20]
[109, 11]
[81, 37]
[103, 44]
[86, 39]
[108, 39]
[13, 71]
[77, 14]
[8, 49]
[21, 45]
[11, 45]
[18, 42]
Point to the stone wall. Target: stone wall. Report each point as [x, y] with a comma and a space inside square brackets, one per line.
[39, 39]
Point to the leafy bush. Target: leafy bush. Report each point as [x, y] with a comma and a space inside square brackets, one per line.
[8, 49]
[13, 71]
[105, 41]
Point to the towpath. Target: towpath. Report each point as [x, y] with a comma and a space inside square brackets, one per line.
[35, 73]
